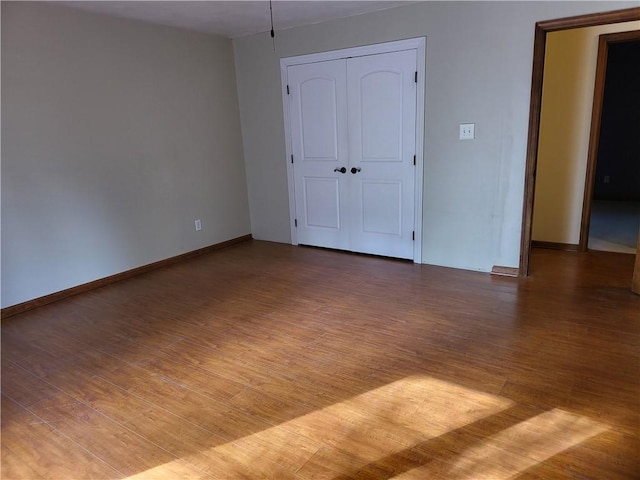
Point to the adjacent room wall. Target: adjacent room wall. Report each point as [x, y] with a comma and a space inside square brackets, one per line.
[565, 124]
[116, 136]
[478, 67]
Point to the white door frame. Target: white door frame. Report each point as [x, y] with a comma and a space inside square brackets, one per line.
[418, 44]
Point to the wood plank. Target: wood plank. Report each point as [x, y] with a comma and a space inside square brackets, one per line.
[270, 361]
[172, 433]
[219, 418]
[12, 466]
[106, 439]
[34, 446]
[23, 387]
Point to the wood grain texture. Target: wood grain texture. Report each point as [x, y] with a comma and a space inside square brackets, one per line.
[266, 360]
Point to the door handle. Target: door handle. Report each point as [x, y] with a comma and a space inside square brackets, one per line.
[355, 170]
[341, 170]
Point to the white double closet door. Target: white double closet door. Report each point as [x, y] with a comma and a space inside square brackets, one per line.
[353, 125]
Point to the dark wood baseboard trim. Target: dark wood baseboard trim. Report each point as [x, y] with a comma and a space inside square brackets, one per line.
[565, 247]
[505, 271]
[85, 287]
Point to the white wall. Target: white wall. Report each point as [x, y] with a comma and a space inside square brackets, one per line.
[565, 124]
[116, 136]
[478, 62]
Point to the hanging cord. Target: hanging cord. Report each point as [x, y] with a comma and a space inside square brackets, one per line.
[273, 34]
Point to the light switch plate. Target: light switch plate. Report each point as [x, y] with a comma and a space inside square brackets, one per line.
[467, 131]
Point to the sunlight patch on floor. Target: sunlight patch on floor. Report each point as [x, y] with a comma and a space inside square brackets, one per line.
[512, 451]
[361, 429]
[383, 426]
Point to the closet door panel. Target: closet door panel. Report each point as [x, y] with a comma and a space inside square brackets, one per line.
[318, 113]
[380, 118]
[381, 96]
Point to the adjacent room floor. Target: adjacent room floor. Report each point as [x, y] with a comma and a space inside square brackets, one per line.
[266, 360]
[614, 226]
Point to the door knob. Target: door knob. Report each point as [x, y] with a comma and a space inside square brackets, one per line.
[355, 170]
[341, 170]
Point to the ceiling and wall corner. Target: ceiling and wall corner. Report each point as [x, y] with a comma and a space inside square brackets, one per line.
[233, 19]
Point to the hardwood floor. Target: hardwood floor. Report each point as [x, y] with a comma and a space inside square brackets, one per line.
[264, 360]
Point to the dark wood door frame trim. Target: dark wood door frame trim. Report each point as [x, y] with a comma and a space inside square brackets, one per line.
[539, 45]
[596, 117]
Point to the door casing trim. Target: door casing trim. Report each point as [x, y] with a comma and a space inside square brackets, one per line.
[418, 44]
[535, 107]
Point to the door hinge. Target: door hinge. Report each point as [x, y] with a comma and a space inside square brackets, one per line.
[415, 79]
[287, 89]
[413, 235]
[414, 159]
[295, 222]
[292, 158]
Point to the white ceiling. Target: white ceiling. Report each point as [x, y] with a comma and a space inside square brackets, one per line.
[233, 18]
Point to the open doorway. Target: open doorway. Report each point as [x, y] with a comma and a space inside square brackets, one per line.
[611, 216]
[540, 40]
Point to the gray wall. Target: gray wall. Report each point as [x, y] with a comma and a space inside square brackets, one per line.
[116, 136]
[478, 67]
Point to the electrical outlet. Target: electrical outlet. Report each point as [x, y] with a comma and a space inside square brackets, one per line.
[606, 179]
[198, 225]
[467, 131]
